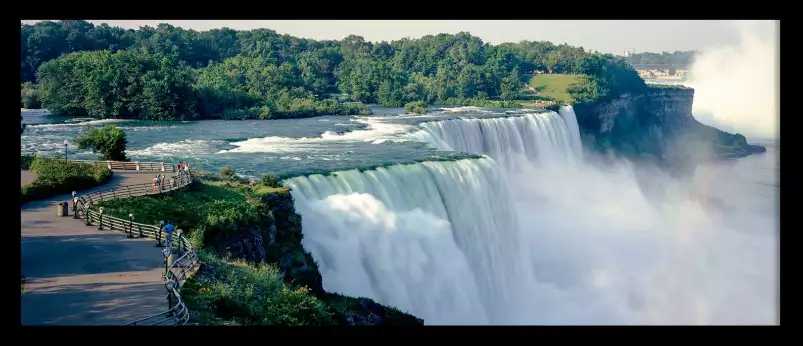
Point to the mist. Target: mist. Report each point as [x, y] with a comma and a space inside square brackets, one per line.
[737, 87]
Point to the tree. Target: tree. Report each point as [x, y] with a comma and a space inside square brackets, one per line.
[30, 96]
[110, 142]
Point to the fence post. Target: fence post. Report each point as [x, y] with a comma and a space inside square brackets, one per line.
[162, 164]
[87, 217]
[109, 165]
[139, 227]
[137, 163]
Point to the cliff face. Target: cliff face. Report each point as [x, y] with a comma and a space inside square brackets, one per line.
[657, 126]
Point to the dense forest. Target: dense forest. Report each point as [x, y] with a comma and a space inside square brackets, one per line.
[73, 67]
[677, 58]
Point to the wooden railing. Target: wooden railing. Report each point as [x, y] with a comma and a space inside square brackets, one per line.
[176, 273]
[133, 165]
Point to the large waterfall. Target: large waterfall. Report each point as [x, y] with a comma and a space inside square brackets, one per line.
[529, 235]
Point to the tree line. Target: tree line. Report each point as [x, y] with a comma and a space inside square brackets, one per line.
[169, 73]
[677, 58]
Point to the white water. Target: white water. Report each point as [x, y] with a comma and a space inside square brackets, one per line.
[542, 238]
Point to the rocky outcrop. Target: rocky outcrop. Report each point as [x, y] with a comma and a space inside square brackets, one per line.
[657, 126]
[247, 245]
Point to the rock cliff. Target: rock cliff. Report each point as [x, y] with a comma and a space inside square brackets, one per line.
[657, 126]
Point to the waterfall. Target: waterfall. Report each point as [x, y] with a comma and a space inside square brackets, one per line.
[437, 238]
[531, 234]
[513, 141]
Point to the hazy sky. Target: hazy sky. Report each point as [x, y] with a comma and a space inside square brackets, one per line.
[610, 36]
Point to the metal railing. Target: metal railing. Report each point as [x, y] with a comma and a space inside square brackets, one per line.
[132, 165]
[176, 273]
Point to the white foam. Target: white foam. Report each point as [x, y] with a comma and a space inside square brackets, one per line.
[376, 132]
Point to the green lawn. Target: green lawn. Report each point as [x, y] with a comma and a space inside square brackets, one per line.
[553, 86]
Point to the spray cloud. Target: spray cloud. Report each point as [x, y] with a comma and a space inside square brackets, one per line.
[737, 87]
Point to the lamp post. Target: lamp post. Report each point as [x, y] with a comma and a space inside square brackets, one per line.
[66, 143]
[100, 218]
[130, 225]
[75, 207]
[166, 252]
[159, 235]
[87, 208]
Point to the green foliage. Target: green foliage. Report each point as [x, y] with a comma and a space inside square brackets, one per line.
[416, 107]
[56, 176]
[109, 141]
[169, 73]
[125, 84]
[30, 96]
[270, 180]
[234, 292]
[227, 172]
[25, 161]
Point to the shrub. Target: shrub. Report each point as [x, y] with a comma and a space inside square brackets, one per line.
[30, 96]
[270, 180]
[416, 107]
[55, 177]
[25, 161]
[110, 141]
[227, 172]
[250, 295]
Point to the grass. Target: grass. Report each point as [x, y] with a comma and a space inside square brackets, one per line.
[55, 176]
[554, 86]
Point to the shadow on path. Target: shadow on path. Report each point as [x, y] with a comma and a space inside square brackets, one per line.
[79, 275]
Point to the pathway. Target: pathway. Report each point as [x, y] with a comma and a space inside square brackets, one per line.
[78, 275]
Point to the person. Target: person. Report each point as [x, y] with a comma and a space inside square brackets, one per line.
[156, 182]
[169, 228]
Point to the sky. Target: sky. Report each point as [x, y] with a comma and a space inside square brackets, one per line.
[607, 36]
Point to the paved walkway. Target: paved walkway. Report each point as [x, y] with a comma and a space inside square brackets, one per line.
[78, 275]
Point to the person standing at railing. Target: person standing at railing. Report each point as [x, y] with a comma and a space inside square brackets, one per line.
[169, 228]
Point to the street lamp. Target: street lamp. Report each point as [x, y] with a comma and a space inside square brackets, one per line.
[66, 143]
[74, 206]
[130, 225]
[159, 235]
[100, 218]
